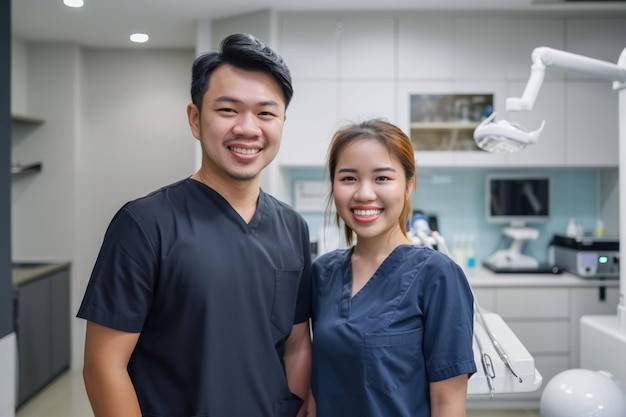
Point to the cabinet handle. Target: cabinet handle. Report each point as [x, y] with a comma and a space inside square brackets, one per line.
[602, 293]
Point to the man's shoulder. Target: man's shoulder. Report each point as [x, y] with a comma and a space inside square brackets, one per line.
[282, 206]
[159, 198]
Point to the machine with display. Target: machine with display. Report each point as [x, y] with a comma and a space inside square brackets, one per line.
[586, 256]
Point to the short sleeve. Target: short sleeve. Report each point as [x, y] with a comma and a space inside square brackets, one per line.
[121, 285]
[449, 320]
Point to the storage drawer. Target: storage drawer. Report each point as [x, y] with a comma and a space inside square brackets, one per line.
[543, 303]
[486, 298]
[542, 336]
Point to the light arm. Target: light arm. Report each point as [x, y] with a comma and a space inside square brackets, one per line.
[505, 137]
[543, 57]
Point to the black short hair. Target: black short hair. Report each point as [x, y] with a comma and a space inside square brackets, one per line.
[243, 51]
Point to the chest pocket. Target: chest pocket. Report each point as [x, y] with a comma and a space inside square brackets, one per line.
[286, 284]
[392, 358]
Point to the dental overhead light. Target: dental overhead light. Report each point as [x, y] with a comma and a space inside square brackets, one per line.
[505, 137]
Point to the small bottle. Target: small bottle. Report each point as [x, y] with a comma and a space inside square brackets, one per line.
[599, 232]
[470, 258]
[458, 250]
[572, 228]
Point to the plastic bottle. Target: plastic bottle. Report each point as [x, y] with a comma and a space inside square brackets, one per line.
[470, 258]
[572, 228]
[458, 250]
[599, 232]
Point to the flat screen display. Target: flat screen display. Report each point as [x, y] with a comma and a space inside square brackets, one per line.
[517, 199]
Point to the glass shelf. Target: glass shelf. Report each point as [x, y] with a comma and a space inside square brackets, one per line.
[446, 122]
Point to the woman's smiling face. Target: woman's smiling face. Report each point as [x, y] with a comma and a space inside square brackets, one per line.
[369, 188]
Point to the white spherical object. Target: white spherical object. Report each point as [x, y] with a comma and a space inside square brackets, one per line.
[582, 393]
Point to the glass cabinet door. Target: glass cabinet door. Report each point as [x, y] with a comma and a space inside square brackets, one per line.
[446, 122]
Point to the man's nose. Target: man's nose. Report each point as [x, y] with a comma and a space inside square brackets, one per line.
[247, 125]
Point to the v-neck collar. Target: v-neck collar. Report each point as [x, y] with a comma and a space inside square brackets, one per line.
[230, 212]
[382, 272]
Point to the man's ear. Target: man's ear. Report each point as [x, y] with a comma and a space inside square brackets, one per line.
[193, 117]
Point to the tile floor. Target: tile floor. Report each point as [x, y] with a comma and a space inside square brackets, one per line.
[66, 397]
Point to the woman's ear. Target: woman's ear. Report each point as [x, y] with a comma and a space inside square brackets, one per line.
[410, 185]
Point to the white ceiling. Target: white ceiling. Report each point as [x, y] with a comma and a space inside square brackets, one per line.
[171, 23]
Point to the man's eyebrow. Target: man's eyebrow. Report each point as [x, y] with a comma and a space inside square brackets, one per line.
[229, 99]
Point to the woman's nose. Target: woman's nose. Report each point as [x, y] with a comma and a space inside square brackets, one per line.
[365, 192]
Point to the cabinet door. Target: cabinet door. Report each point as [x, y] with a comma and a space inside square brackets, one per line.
[549, 106]
[59, 322]
[480, 48]
[361, 100]
[311, 122]
[590, 301]
[531, 303]
[367, 49]
[403, 106]
[543, 336]
[425, 48]
[592, 123]
[607, 40]
[486, 298]
[481, 158]
[523, 36]
[309, 46]
[33, 337]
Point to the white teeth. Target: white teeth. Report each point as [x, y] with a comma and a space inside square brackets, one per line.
[245, 151]
[372, 212]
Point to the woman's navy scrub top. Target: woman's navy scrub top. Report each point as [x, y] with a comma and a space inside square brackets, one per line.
[374, 354]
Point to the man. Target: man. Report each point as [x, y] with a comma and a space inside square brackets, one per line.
[199, 300]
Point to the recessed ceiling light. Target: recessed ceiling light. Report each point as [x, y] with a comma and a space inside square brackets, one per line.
[139, 37]
[74, 3]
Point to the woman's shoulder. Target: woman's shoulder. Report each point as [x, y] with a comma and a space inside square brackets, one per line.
[332, 257]
[428, 258]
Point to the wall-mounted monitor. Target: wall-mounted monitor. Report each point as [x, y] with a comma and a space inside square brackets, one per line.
[517, 199]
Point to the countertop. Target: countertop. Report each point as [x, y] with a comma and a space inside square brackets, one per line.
[483, 277]
[23, 272]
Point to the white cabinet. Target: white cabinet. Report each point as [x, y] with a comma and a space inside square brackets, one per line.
[403, 106]
[367, 48]
[426, 48]
[603, 39]
[479, 48]
[592, 110]
[320, 51]
[360, 100]
[353, 67]
[309, 47]
[545, 318]
[311, 122]
[448, 157]
[523, 36]
[592, 124]
[589, 301]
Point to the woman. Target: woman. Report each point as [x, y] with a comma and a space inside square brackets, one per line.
[392, 322]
